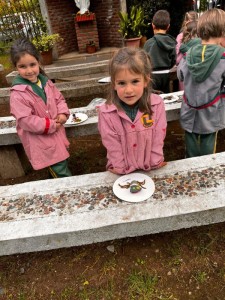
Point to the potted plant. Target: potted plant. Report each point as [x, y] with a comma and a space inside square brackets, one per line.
[45, 44]
[131, 25]
[90, 47]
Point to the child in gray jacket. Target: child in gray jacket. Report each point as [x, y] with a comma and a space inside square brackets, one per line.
[203, 70]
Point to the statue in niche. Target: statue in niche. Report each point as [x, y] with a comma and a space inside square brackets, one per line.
[83, 5]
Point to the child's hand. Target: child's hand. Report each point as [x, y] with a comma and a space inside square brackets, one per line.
[163, 164]
[58, 125]
[61, 118]
[114, 171]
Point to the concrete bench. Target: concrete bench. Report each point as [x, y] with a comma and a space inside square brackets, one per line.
[79, 210]
[74, 89]
[77, 70]
[10, 165]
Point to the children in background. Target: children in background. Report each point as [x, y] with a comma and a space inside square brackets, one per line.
[189, 40]
[162, 50]
[190, 16]
[132, 122]
[190, 37]
[203, 71]
[40, 111]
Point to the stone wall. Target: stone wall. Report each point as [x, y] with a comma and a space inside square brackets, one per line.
[62, 13]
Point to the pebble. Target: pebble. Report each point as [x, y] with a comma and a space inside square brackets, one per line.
[111, 248]
[68, 201]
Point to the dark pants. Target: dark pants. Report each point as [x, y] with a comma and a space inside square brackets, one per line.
[160, 82]
[60, 170]
[200, 144]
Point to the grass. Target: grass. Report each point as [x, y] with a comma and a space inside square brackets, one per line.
[167, 266]
[141, 285]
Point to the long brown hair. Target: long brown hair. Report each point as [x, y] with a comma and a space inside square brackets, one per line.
[189, 17]
[137, 61]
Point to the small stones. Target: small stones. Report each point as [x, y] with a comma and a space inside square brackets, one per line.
[61, 202]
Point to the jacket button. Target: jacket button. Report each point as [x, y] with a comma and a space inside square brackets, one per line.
[132, 126]
[134, 145]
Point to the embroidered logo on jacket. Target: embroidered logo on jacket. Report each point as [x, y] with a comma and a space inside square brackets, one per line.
[146, 120]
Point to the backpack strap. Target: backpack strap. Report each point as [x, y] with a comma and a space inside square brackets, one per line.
[210, 103]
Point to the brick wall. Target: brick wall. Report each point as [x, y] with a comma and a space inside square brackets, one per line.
[86, 31]
[62, 15]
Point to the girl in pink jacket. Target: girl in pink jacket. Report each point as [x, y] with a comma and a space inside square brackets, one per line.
[132, 122]
[40, 111]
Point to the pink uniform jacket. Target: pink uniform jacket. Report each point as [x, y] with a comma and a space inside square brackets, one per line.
[133, 145]
[43, 147]
[179, 42]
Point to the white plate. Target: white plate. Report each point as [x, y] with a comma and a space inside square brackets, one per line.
[83, 117]
[126, 195]
[105, 80]
[173, 99]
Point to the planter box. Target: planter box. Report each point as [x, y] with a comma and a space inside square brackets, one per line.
[85, 18]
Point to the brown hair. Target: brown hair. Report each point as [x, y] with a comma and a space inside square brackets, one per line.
[161, 19]
[21, 47]
[189, 31]
[190, 16]
[211, 24]
[137, 61]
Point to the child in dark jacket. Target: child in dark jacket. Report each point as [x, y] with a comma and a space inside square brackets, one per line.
[162, 50]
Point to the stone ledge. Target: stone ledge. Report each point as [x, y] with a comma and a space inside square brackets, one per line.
[70, 71]
[75, 89]
[80, 210]
[8, 133]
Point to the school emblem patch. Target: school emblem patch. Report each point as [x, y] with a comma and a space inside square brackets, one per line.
[146, 120]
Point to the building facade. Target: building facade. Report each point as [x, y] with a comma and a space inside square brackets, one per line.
[60, 17]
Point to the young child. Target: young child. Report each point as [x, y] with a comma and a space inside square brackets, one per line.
[203, 71]
[132, 122]
[189, 39]
[162, 51]
[40, 111]
[190, 16]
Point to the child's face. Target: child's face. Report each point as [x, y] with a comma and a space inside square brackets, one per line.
[129, 86]
[28, 67]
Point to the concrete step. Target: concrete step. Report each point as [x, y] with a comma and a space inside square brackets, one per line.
[72, 70]
[82, 58]
[79, 210]
[76, 89]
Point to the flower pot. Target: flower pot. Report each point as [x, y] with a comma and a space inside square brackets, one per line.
[85, 17]
[143, 40]
[134, 42]
[46, 57]
[90, 48]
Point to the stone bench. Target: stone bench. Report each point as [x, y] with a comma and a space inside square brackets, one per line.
[74, 89]
[79, 210]
[10, 165]
[77, 70]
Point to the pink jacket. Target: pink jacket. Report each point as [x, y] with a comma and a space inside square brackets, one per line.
[179, 42]
[36, 126]
[133, 145]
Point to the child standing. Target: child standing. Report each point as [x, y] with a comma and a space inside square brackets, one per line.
[40, 111]
[162, 51]
[203, 71]
[189, 40]
[190, 16]
[132, 122]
